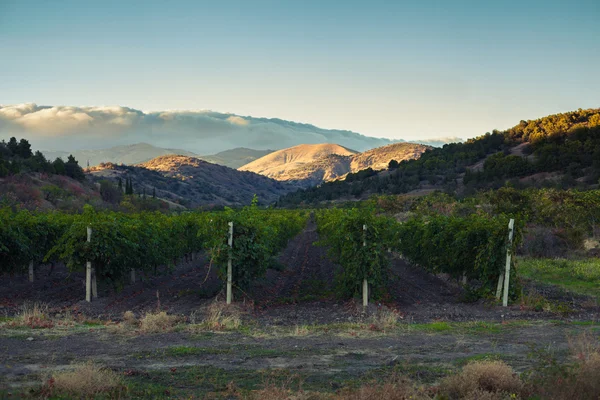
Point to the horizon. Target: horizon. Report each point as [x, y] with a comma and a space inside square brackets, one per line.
[406, 71]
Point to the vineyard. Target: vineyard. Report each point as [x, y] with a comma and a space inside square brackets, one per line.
[114, 249]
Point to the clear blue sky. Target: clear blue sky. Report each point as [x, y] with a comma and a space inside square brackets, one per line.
[395, 69]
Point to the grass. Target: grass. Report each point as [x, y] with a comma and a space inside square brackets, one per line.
[84, 381]
[577, 276]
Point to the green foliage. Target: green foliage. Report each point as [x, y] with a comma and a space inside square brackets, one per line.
[258, 235]
[16, 156]
[578, 276]
[474, 245]
[361, 253]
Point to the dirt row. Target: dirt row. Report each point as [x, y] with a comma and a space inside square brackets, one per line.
[300, 294]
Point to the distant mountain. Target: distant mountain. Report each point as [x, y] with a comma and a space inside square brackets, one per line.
[309, 165]
[203, 132]
[192, 182]
[129, 154]
[235, 158]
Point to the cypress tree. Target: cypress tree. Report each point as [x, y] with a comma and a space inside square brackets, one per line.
[153, 193]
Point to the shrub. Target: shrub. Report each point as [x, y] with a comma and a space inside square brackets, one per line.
[542, 242]
[158, 322]
[219, 316]
[84, 381]
[481, 377]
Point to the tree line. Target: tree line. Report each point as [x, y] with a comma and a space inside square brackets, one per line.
[17, 156]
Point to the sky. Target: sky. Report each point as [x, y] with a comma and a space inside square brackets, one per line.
[395, 69]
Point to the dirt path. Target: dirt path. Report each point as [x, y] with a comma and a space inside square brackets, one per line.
[423, 354]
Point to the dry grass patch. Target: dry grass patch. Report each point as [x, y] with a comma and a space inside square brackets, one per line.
[85, 381]
[395, 388]
[384, 320]
[36, 315]
[158, 322]
[578, 381]
[218, 316]
[483, 379]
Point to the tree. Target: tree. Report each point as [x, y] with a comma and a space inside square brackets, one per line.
[109, 192]
[13, 146]
[73, 170]
[153, 193]
[59, 166]
[120, 185]
[393, 164]
[24, 149]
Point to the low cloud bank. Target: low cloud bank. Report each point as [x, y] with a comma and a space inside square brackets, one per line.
[203, 132]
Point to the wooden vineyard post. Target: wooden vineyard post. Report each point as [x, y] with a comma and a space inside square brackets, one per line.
[229, 264]
[499, 288]
[31, 271]
[132, 275]
[94, 284]
[511, 229]
[365, 285]
[88, 271]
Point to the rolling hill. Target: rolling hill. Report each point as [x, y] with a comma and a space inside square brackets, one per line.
[235, 158]
[312, 164]
[192, 182]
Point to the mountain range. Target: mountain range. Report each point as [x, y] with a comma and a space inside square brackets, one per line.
[142, 152]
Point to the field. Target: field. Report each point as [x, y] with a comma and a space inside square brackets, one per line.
[287, 333]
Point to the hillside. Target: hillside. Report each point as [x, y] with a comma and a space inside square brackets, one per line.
[192, 182]
[235, 158]
[380, 157]
[298, 163]
[310, 165]
[561, 150]
[129, 154]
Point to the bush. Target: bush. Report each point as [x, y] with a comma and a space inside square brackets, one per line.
[543, 242]
[480, 379]
[85, 381]
[158, 322]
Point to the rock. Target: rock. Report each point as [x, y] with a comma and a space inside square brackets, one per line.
[30, 338]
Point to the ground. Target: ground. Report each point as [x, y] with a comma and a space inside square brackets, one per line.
[293, 329]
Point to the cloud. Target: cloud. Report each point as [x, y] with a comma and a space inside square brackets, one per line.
[203, 132]
[439, 141]
[234, 119]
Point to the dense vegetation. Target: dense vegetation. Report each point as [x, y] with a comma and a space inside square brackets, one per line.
[144, 241]
[568, 142]
[258, 236]
[358, 240]
[16, 156]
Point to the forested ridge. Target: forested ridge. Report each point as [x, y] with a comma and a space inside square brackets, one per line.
[567, 144]
[17, 156]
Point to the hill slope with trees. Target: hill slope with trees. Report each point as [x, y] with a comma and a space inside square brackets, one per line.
[561, 150]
